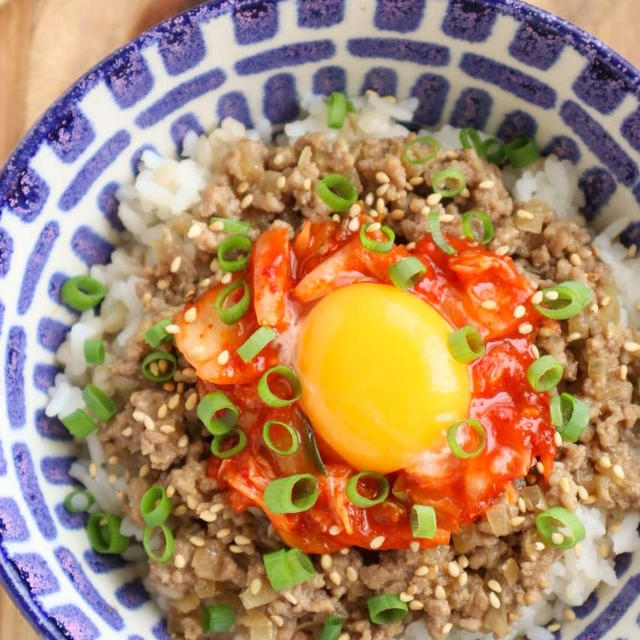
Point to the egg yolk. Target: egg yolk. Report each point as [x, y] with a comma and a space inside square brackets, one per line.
[379, 384]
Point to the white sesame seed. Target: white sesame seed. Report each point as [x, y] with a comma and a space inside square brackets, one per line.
[354, 224]
[190, 315]
[557, 537]
[516, 521]
[569, 615]
[243, 187]
[246, 201]
[223, 533]
[494, 585]
[575, 260]
[414, 545]
[179, 561]
[281, 182]
[352, 574]
[167, 428]
[382, 189]
[278, 158]
[405, 597]
[489, 304]
[162, 284]
[326, 562]
[463, 579]
[380, 206]
[422, 570]
[127, 431]
[605, 462]
[416, 180]
[197, 541]
[291, 598]
[377, 542]
[440, 593]
[446, 217]
[494, 601]
[344, 636]
[138, 415]
[583, 494]
[502, 251]
[565, 485]
[306, 185]
[334, 530]
[485, 185]
[382, 177]
[242, 540]
[446, 628]
[540, 467]
[368, 199]
[572, 337]
[374, 226]
[631, 347]
[183, 442]
[255, 586]
[524, 214]
[519, 311]
[335, 217]
[173, 329]
[551, 295]
[525, 328]
[539, 546]
[434, 199]
[175, 264]
[334, 576]
[149, 423]
[218, 225]
[195, 230]
[618, 471]
[416, 605]
[191, 402]
[277, 620]
[465, 193]
[454, 569]
[535, 351]
[624, 370]
[537, 297]
[552, 628]
[522, 507]
[463, 561]
[226, 278]
[223, 357]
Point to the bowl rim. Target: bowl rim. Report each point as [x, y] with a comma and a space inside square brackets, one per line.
[585, 43]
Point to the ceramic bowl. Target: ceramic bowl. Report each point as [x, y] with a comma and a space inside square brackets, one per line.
[497, 65]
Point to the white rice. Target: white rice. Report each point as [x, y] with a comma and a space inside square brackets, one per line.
[167, 188]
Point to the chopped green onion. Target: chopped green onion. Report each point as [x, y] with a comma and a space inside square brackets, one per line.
[94, 351]
[82, 292]
[220, 442]
[331, 629]
[337, 108]
[155, 506]
[494, 151]
[522, 152]
[569, 415]
[217, 618]
[423, 521]
[255, 343]
[470, 139]
[310, 444]
[99, 403]
[336, 192]
[287, 568]
[269, 397]
[353, 491]
[548, 522]
[386, 608]
[487, 226]
[103, 531]
[157, 334]
[466, 344]
[164, 371]
[168, 543]
[565, 300]
[406, 272]
[441, 181]
[544, 373]
[292, 433]
[421, 140]
[79, 424]
[235, 227]
[292, 494]
[71, 502]
[233, 313]
[452, 438]
[208, 408]
[377, 246]
[437, 235]
[237, 243]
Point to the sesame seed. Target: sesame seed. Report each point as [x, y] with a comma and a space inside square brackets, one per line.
[162, 411]
[335, 217]
[344, 551]
[334, 576]
[551, 295]
[519, 311]
[575, 259]
[605, 462]
[354, 210]
[191, 402]
[463, 561]
[539, 546]
[624, 370]
[446, 217]
[572, 337]
[382, 177]
[535, 351]
[422, 570]
[291, 598]
[525, 328]
[167, 428]
[173, 402]
[552, 628]
[414, 545]
[183, 442]
[171, 491]
[494, 601]
[374, 226]
[434, 199]
[382, 189]
[138, 415]
[306, 185]
[631, 347]
[440, 593]
[557, 537]
[162, 284]
[416, 180]
[446, 629]
[569, 615]
[344, 636]
[583, 494]
[218, 225]
[223, 357]
[197, 541]
[540, 467]
[281, 182]
[326, 562]
[485, 185]
[516, 521]
[489, 304]
[278, 158]
[546, 332]
[223, 533]
[146, 297]
[175, 264]
[243, 187]
[190, 315]
[234, 548]
[127, 431]
[113, 460]
[405, 597]
[334, 530]
[618, 471]
[463, 579]
[502, 251]
[411, 246]
[195, 230]
[368, 199]
[354, 224]
[277, 620]
[352, 574]
[179, 561]
[380, 206]
[416, 605]
[242, 539]
[537, 297]
[522, 507]
[255, 586]
[524, 214]
[246, 201]
[454, 569]
[465, 193]
[226, 278]
[207, 516]
[494, 585]
[377, 542]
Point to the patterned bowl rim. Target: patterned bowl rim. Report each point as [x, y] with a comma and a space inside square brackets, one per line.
[585, 43]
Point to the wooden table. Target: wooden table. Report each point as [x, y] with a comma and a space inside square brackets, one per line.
[46, 44]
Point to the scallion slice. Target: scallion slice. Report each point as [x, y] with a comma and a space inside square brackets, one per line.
[406, 272]
[209, 409]
[82, 292]
[544, 373]
[377, 246]
[470, 139]
[292, 494]
[167, 544]
[156, 334]
[466, 344]
[79, 501]
[494, 151]
[468, 219]
[332, 629]
[269, 397]
[234, 244]
[336, 192]
[567, 300]
[235, 227]
[154, 363]
[291, 432]
[550, 521]
[220, 444]
[386, 608]
[456, 448]
[337, 108]
[103, 531]
[234, 312]
[99, 403]
[423, 521]
[410, 148]
[360, 500]
[255, 343]
[569, 415]
[94, 351]
[437, 235]
[155, 506]
[79, 424]
[441, 183]
[217, 618]
[287, 568]
[522, 152]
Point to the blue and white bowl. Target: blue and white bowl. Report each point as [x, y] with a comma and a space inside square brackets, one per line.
[497, 65]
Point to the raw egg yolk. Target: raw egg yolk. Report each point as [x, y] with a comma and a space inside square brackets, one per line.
[379, 384]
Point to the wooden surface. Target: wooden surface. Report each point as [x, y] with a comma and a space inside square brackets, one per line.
[46, 44]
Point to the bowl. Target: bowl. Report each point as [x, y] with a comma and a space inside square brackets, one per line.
[498, 65]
